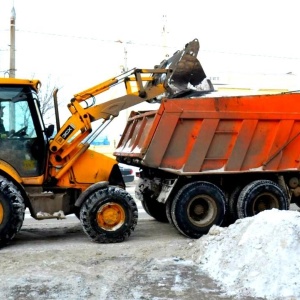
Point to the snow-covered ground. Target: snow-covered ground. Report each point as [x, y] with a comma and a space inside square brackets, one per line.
[256, 256]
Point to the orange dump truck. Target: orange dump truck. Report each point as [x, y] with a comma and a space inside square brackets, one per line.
[211, 160]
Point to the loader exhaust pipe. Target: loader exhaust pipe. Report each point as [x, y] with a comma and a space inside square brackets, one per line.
[55, 101]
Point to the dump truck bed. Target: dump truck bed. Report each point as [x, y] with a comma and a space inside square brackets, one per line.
[216, 134]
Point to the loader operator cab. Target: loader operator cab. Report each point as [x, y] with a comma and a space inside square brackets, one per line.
[23, 142]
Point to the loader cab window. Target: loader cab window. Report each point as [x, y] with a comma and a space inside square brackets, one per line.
[22, 143]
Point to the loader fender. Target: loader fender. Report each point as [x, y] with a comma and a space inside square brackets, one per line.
[91, 189]
[10, 171]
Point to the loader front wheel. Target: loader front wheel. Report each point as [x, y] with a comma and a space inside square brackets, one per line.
[197, 207]
[12, 211]
[109, 215]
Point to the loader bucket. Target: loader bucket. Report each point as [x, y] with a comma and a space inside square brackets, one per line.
[187, 73]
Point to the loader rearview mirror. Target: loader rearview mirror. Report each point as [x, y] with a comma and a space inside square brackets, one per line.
[49, 130]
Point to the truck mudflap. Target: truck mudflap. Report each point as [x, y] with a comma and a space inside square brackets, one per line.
[153, 194]
[161, 190]
[166, 189]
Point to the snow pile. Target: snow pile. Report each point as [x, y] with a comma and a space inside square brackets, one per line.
[257, 256]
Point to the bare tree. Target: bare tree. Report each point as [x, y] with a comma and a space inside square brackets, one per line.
[47, 102]
[46, 99]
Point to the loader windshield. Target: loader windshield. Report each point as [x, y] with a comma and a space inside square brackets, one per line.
[20, 129]
[15, 113]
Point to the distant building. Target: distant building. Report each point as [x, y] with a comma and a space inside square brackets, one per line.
[245, 84]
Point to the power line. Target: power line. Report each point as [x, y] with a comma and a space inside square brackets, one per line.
[89, 38]
[154, 45]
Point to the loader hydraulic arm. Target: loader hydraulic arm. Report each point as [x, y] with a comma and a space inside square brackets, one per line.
[170, 78]
[81, 118]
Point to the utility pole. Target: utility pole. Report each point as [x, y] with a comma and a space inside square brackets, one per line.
[12, 65]
[164, 36]
[124, 66]
[125, 58]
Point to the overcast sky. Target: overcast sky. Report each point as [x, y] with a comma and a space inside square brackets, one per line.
[76, 42]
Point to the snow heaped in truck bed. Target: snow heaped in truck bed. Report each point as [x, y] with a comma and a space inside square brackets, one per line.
[256, 256]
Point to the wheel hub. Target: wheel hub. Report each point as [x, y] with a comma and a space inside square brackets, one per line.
[265, 201]
[110, 216]
[199, 210]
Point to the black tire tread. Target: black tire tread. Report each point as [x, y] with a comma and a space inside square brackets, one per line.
[168, 211]
[232, 204]
[108, 236]
[179, 216]
[155, 209]
[243, 198]
[16, 203]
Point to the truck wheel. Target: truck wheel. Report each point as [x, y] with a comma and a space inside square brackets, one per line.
[145, 208]
[109, 215]
[168, 211]
[155, 209]
[297, 202]
[232, 204]
[260, 195]
[12, 211]
[197, 207]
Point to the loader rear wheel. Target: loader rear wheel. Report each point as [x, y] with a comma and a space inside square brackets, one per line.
[155, 209]
[197, 207]
[109, 215]
[260, 195]
[12, 211]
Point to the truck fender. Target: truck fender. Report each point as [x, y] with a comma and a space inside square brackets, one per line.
[91, 189]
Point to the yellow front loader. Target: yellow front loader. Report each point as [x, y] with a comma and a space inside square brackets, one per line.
[57, 176]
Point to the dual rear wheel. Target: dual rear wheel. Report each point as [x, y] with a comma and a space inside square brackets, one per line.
[260, 195]
[195, 208]
[155, 209]
[200, 205]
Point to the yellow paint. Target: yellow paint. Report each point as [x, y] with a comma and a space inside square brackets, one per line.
[34, 83]
[28, 165]
[89, 168]
[110, 216]
[6, 168]
[1, 213]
